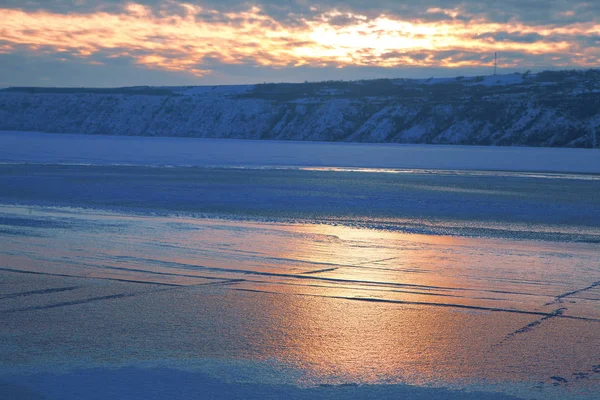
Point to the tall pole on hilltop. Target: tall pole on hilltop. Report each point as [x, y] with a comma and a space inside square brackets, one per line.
[495, 62]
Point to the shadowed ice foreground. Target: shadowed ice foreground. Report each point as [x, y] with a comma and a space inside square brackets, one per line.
[169, 282]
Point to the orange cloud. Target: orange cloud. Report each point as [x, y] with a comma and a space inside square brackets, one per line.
[184, 41]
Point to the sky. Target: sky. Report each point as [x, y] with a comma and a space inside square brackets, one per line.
[108, 43]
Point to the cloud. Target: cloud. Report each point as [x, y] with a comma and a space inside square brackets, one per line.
[527, 11]
[199, 40]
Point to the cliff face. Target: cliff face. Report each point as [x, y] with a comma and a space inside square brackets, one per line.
[560, 109]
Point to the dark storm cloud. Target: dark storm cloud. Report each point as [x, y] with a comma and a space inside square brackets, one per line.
[530, 11]
[514, 37]
[293, 12]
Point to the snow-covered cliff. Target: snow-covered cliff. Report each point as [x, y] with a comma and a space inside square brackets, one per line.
[545, 109]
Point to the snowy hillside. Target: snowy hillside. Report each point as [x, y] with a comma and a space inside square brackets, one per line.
[559, 109]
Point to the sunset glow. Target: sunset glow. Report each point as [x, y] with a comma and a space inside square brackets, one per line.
[196, 40]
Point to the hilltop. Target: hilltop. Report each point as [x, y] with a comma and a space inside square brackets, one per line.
[552, 108]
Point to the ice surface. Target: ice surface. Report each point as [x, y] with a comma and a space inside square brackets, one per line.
[562, 207]
[263, 305]
[323, 279]
[162, 383]
[108, 150]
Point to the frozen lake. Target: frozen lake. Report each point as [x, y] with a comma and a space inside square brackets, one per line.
[204, 269]
[106, 150]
